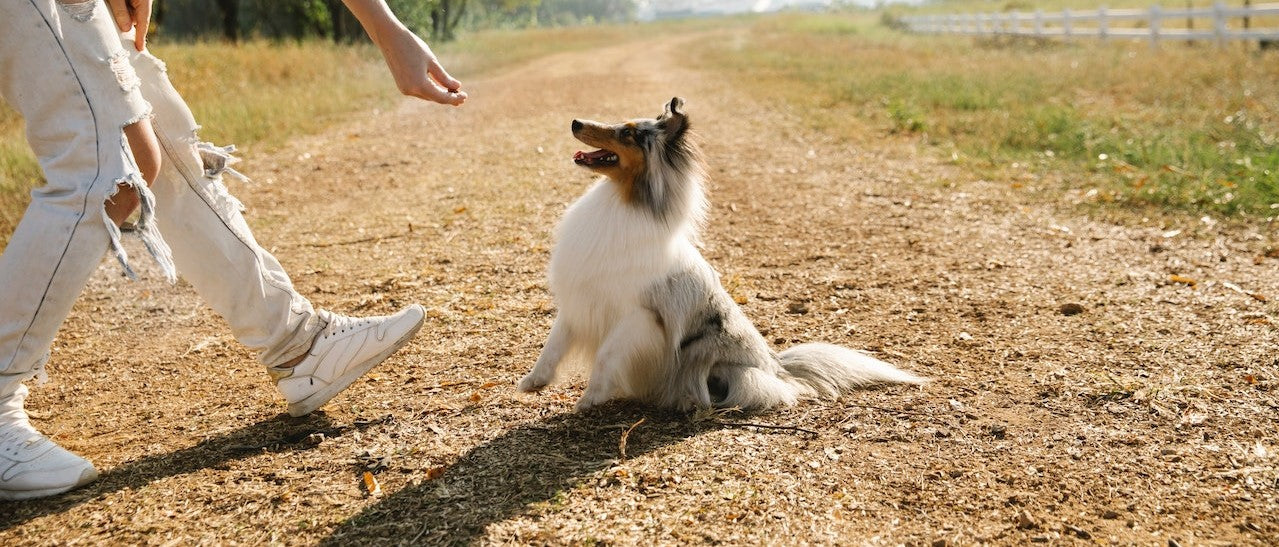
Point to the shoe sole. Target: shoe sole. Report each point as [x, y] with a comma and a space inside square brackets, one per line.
[319, 398]
[87, 476]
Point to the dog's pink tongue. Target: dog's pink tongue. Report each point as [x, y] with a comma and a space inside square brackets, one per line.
[592, 156]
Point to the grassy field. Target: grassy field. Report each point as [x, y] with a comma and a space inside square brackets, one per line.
[988, 6]
[1191, 128]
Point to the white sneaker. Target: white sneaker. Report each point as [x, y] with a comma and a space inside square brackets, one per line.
[347, 348]
[32, 465]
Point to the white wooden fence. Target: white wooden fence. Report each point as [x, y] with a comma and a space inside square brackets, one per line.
[1225, 23]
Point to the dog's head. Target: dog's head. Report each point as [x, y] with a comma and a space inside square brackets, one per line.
[640, 155]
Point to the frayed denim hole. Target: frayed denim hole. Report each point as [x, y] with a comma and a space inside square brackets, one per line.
[145, 229]
[80, 10]
[124, 73]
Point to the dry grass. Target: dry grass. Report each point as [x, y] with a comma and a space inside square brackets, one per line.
[248, 94]
[1114, 122]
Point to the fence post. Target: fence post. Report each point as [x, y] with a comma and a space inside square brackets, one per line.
[1219, 22]
[1065, 23]
[1102, 27]
[1039, 22]
[1154, 26]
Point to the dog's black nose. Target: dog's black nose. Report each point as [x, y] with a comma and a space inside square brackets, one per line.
[577, 125]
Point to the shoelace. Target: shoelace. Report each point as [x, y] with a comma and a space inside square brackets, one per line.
[340, 324]
[15, 437]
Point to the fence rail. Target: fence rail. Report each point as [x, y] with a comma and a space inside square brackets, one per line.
[1098, 23]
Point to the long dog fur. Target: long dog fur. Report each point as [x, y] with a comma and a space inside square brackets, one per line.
[636, 298]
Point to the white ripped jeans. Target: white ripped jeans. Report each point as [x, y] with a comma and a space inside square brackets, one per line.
[67, 70]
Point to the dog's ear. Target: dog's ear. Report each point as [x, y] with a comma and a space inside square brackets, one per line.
[675, 107]
[674, 120]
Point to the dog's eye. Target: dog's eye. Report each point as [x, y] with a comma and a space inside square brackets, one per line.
[628, 133]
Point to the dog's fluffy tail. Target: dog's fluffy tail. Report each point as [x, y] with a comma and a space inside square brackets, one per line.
[826, 371]
[807, 371]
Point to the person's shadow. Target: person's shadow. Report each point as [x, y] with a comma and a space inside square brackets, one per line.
[508, 475]
[279, 434]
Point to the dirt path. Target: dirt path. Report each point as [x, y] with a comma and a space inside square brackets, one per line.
[1147, 418]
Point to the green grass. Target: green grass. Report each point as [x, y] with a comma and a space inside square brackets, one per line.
[1191, 128]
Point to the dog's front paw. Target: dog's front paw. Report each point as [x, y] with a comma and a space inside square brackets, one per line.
[532, 383]
[589, 401]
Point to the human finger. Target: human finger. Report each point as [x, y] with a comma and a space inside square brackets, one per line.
[142, 18]
[120, 12]
[434, 93]
[436, 70]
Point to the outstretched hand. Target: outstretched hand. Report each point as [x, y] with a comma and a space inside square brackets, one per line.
[417, 72]
[132, 13]
[413, 65]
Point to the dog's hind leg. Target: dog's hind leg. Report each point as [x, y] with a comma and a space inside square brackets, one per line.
[636, 341]
[553, 352]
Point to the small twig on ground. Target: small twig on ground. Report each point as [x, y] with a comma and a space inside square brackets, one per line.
[621, 444]
[425, 527]
[1245, 471]
[768, 426]
[356, 241]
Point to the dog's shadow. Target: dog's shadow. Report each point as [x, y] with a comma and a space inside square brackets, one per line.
[278, 434]
[511, 474]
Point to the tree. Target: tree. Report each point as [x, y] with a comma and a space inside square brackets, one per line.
[230, 19]
[445, 17]
[439, 20]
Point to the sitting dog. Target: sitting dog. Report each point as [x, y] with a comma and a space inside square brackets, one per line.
[636, 299]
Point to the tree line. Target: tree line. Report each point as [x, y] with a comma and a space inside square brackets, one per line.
[438, 20]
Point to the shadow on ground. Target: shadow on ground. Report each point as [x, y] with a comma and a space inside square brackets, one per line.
[506, 476]
[279, 434]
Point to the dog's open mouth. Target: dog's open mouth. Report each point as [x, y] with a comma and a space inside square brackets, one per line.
[598, 158]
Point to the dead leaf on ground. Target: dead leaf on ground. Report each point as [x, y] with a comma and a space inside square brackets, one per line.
[1184, 280]
[371, 486]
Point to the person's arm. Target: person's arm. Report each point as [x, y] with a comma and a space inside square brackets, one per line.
[413, 65]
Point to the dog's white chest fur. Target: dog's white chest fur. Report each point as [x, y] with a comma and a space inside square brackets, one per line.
[606, 255]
